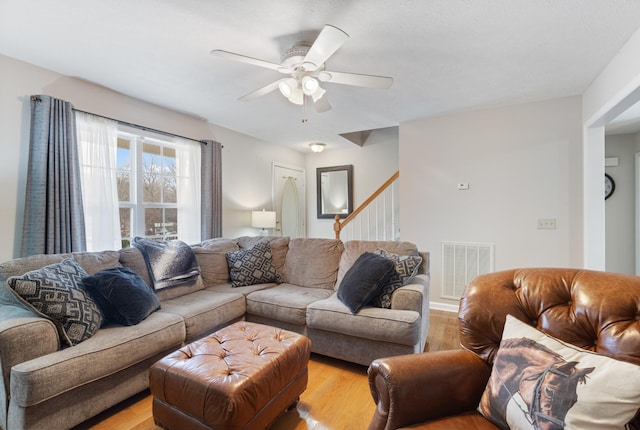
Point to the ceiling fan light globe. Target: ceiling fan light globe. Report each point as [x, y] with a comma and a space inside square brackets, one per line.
[317, 95]
[297, 96]
[310, 85]
[287, 87]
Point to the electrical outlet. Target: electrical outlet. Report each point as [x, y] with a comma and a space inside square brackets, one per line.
[463, 185]
[546, 223]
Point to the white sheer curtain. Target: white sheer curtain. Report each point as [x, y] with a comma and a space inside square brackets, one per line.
[188, 161]
[98, 144]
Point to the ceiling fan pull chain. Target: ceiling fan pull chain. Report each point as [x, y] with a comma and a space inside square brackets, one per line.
[304, 110]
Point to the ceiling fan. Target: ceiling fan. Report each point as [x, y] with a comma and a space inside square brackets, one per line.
[304, 64]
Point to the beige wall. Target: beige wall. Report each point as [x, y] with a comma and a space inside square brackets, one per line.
[521, 162]
[373, 164]
[246, 172]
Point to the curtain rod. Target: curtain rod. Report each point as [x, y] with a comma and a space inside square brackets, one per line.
[141, 127]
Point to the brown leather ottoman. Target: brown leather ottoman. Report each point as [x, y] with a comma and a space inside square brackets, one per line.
[240, 377]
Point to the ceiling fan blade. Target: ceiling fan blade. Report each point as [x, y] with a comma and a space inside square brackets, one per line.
[328, 41]
[368, 81]
[244, 59]
[261, 91]
[322, 104]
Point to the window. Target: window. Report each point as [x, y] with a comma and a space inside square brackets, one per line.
[137, 183]
[147, 183]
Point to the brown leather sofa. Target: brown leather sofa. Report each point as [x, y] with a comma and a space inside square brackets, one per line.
[597, 311]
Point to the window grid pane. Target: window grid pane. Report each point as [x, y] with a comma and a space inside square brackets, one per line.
[156, 184]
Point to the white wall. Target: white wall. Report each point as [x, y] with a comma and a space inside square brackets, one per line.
[373, 164]
[246, 172]
[521, 162]
[620, 207]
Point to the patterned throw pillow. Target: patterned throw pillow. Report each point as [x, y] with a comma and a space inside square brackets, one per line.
[56, 292]
[407, 267]
[252, 266]
[538, 381]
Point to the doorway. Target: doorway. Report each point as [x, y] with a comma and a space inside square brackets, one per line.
[289, 200]
[622, 135]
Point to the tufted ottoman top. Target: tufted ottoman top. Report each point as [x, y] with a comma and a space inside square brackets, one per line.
[225, 379]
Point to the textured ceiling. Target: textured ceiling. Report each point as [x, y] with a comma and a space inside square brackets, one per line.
[444, 55]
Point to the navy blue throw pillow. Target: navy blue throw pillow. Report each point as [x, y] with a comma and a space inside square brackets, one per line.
[364, 280]
[122, 295]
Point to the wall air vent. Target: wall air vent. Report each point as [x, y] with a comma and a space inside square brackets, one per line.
[461, 262]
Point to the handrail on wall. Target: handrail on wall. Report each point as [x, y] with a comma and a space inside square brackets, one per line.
[339, 224]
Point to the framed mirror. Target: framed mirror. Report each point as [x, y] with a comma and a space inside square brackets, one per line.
[334, 191]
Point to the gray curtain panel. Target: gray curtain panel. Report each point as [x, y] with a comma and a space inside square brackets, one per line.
[211, 189]
[53, 213]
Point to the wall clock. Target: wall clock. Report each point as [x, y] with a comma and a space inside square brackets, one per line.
[609, 186]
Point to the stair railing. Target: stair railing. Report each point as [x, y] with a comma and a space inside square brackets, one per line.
[377, 218]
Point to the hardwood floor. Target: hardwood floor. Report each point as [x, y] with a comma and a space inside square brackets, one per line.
[337, 395]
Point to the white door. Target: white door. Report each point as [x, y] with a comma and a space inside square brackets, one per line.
[289, 199]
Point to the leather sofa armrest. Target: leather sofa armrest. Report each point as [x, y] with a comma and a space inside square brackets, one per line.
[415, 388]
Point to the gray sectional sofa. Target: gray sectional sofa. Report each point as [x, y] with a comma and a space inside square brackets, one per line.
[47, 385]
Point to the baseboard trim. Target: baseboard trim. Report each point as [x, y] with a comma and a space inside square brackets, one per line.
[443, 307]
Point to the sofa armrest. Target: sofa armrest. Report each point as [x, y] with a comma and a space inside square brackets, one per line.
[23, 336]
[413, 296]
[410, 389]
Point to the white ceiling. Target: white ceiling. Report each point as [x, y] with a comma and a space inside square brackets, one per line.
[444, 55]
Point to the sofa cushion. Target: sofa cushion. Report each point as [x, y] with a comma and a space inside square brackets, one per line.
[384, 325]
[406, 266]
[364, 280]
[56, 292]
[532, 370]
[252, 266]
[312, 262]
[112, 349]
[132, 258]
[93, 262]
[122, 295]
[285, 302]
[213, 266]
[20, 266]
[218, 244]
[245, 289]
[211, 256]
[205, 311]
[354, 248]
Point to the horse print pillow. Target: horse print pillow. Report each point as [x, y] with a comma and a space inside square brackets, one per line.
[539, 382]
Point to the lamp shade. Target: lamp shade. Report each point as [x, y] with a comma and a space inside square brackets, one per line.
[263, 219]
